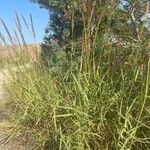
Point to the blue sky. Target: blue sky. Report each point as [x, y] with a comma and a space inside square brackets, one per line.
[24, 7]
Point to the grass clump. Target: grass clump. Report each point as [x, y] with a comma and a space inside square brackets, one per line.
[84, 110]
[98, 99]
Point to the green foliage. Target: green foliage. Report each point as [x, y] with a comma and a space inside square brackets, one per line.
[58, 23]
[122, 21]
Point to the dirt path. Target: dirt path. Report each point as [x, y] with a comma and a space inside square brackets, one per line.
[4, 118]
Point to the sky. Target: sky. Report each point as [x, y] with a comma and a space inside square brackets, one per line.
[24, 7]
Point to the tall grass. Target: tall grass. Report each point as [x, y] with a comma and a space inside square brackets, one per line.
[102, 103]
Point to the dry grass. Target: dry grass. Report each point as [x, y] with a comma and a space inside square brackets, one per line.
[19, 54]
[8, 51]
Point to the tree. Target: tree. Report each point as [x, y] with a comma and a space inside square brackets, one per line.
[59, 26]
[87, 21]
[126, 13]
